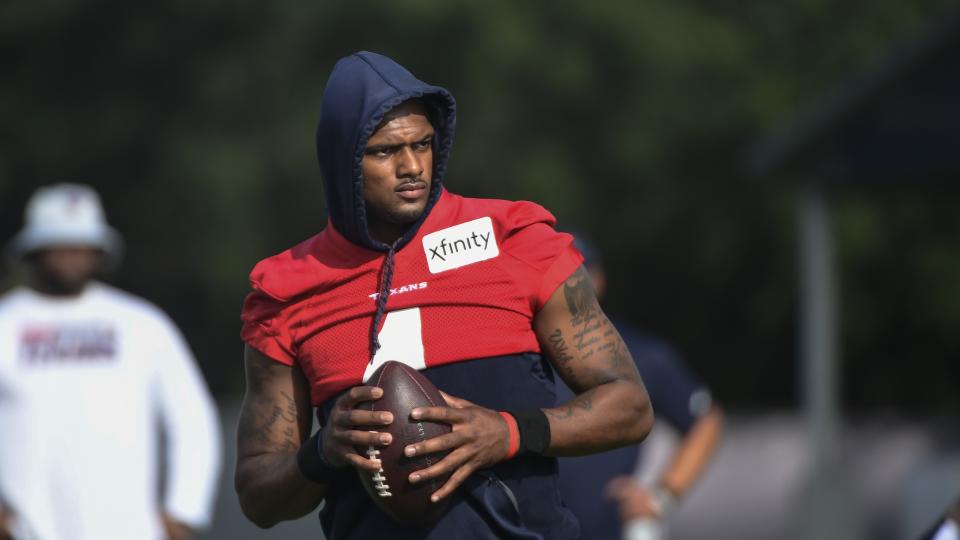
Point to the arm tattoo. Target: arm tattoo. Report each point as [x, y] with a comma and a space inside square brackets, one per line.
[270, 420]
[595, 355]
[560, 352]
[580, 297]
[290, 417]
[583, 402]
[578, 291]
[585, 314]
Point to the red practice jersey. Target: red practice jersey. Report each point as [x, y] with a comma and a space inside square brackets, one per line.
[467, 286]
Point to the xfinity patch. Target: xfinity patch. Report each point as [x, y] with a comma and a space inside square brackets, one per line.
[460, 245]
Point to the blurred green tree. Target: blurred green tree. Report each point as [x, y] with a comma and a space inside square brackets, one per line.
[195, 120]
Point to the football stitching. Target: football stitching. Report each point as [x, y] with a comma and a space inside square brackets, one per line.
[379, 480]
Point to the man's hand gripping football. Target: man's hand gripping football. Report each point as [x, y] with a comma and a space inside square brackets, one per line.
[342, 435]
[479, 439]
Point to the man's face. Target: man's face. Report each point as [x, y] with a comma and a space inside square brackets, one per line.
[398, 170]
[65, 270]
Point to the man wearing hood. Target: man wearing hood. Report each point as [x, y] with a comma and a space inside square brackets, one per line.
[470, 291]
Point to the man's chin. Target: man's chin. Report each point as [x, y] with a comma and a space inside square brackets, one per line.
[61, 287]
[406, 216]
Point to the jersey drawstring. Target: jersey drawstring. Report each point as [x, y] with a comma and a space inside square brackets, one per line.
[385, 280]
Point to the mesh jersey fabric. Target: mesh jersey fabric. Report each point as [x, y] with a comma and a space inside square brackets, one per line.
[313, 304]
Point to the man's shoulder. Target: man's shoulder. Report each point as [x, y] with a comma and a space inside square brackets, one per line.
[303, 267]
[506, 214]
[289, 258]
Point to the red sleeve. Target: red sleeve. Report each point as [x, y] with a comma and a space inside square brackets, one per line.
[564, 265]
[266, 327]
[549, 255]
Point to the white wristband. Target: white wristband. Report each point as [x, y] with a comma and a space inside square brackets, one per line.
[643, 529]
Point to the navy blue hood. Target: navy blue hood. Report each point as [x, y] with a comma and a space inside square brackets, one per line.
[362, 88]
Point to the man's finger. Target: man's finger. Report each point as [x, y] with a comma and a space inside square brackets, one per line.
[455, 402]
[360, 462]
[447, 415]
[354, 437]
[360, 417]
[354, 418]
[434, 445]
[457, 478]
[359, 394]
[450, 462]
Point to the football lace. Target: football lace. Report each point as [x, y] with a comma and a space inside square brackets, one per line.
[379, 480]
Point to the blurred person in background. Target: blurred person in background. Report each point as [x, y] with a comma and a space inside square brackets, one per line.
[602, 489]
[88, 375]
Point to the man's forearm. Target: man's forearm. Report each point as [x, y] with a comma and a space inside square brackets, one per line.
[694, 453]
[272, 489]
[612, 407]
[608, 416]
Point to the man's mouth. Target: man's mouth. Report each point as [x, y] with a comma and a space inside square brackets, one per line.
[412, 190]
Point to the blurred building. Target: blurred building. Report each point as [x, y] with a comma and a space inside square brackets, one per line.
[892, 127]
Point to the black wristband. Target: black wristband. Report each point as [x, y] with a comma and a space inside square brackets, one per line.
[311, 463]
[534, 431]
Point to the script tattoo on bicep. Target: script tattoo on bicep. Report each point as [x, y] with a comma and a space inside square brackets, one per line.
[560, 352]
[585, 314]
[268, 419]
[581, 300]
[598, 354]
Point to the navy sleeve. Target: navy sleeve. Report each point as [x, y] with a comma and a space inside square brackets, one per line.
[676, 394]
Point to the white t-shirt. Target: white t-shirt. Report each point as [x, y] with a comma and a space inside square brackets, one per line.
[86, 385]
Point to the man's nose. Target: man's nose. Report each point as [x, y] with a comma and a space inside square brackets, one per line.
[410, 164]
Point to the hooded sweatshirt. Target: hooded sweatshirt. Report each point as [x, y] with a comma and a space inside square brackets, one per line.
[454, 296]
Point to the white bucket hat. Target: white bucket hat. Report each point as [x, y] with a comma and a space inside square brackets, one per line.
[64, 215]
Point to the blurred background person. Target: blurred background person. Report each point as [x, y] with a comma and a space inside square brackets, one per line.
[88, 375]
[602, 489]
